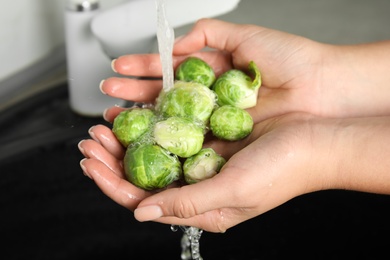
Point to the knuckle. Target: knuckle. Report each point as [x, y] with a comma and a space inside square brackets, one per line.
[184, 207]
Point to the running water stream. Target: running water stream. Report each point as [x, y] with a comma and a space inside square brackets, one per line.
[165, 39]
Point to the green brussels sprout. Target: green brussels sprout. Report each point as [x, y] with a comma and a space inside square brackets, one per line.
[203, 165]
[149, 166]
[179, 136]
[194, 69]
[164, 142]
[231, 123]
[131, 124]
[236, 88]
[187, 99]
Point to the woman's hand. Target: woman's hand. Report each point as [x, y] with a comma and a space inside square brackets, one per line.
[284, 157]
[299, 75]
[265, 169]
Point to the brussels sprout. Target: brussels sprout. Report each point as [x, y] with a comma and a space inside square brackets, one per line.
[179, 136]
[149, 166]
[231, 123]
[131, 124]
[164, 142]
[236, 88]
[203, 165]
[187, 99]
[195, 70]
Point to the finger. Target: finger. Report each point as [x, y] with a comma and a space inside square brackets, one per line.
[139, 65]
[118, 189]
[108, 140]
[92, 149]
[142, 65]
[132, 89]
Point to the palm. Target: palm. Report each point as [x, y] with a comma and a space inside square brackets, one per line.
[289, 74]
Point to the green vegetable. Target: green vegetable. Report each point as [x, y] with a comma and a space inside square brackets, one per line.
[236, 88]
[164, 142]
[194, 69]
[131, 124]
[179, 135]
[231, 123]
[187, 99]
[202, 165]
[150, 166]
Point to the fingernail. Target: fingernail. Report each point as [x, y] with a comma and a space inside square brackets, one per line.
[105, 115]
[92, 134]
[148, 213]
[80, 147]
[113, 65]
[101, 87]
[85, 171]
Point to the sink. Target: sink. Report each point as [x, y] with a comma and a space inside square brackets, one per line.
[50, 210]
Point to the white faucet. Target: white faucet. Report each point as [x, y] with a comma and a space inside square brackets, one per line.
[131, 27]
[94, 37]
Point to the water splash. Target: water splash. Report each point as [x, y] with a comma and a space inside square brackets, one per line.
[190, 246]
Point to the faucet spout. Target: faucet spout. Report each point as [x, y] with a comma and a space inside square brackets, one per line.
[131, 27]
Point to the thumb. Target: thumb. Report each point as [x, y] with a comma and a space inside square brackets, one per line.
[197, 204]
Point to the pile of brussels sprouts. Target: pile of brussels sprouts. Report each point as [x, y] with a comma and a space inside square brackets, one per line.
[164, 142]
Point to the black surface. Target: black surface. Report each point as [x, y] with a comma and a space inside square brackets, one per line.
[50, 210]
[40, 121]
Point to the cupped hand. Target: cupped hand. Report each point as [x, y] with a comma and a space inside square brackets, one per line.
[275, 163]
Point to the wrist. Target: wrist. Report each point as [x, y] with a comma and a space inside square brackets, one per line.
[354, 155]
[359, 77]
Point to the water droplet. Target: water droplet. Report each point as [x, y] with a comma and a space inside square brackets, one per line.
[174, 228]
